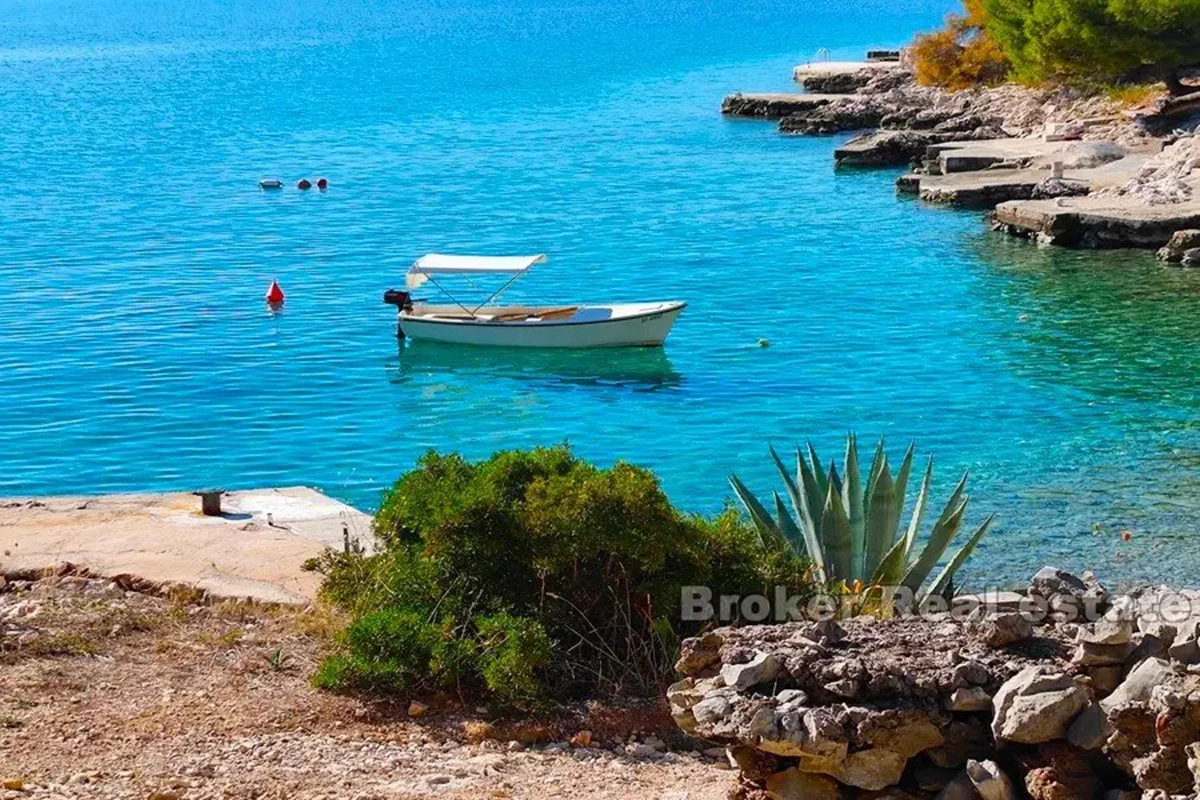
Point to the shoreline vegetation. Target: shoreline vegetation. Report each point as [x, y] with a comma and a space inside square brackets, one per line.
[1061, 158]
[523, 621]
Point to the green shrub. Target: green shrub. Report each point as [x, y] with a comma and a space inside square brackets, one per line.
[534, 574]
[514, 651]
[386, 651]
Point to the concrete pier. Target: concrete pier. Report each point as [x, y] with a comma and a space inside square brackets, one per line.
[1102, 222]
[254, 549]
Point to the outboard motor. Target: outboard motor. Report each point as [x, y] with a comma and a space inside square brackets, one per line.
[399, 299]
[402, 301]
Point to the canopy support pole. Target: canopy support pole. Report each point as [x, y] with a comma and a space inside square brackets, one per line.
[498, 292]
[452, 297]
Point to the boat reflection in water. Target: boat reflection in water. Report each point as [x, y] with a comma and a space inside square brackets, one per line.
[639, 369]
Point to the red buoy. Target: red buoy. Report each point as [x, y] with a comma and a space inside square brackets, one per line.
[275, 294]
[322, 184]
[303, 183]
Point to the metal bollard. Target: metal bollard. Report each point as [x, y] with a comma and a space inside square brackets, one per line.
[210, 502]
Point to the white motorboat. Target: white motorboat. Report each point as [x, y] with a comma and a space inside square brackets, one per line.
[574, 326]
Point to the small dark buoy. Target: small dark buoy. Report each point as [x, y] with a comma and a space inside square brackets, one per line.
[304, 183]
[275, 294]
[322, 184]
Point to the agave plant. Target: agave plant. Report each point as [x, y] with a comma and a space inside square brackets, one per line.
[852, 532]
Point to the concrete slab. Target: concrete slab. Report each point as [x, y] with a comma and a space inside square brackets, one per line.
[825, 68]
[254, 550]
[773, 105]
[1100, 222]
[986, 188]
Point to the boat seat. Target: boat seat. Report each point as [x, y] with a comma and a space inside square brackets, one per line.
[594, 314]
[538, 313]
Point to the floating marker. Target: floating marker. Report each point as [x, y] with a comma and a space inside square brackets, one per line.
[270, 183]
[304, 183]
[275, 294]
[322, 184]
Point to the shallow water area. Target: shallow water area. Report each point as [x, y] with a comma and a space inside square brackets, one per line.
[136, 352]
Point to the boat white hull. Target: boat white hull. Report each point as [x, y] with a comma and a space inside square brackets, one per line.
[630, 325]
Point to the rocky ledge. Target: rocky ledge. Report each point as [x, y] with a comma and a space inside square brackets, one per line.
[981, 704]
[1139, 199]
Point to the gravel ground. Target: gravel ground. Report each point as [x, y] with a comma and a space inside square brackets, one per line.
[107, 693]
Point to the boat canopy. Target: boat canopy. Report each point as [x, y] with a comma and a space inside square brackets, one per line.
[441, 264]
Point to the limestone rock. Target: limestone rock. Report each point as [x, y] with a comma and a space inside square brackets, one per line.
[1052, 187]
[1091, 654]
[1107, 631]
[1001, 630]
[1091, 728]
[1181, 242]
[711, 710]
[1051, 581]
[885, 148]
[792, 784]
[838, 82]
[1185, 648]
[969, 698]
[812, 735]
[1063, 774]
[1105, 679]
[1086, 155]
[1155, 715]
[876, 768]
[1138, 683]
[762, 667]
[900, 732]
[990, 781]
[753, 764]
[699, 652]
[1037, 705]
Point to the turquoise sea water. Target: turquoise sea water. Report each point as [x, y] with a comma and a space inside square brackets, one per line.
[136, 352]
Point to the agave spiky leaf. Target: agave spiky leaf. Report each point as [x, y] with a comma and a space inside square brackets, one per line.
[902, 486]
[939, 539]
[942, 582]
[799, 495]
[852, 500]
[914, 524]
[768, 530]
[891, 566]
[873, 474]
[817, 471]
[881, 520]
[851, 532]
[835, 533]
[787, 527]
[812, 495]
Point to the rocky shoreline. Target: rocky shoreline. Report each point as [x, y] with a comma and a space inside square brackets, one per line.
[1057, 166]
[996, 704]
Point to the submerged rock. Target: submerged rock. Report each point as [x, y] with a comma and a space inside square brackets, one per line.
[1181, 242]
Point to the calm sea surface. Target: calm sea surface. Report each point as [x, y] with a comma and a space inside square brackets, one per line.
[136, 352]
